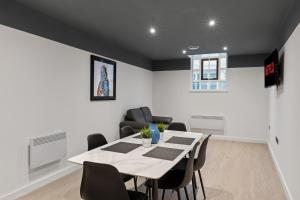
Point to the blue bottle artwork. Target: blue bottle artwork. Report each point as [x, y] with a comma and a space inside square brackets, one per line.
[155, 133]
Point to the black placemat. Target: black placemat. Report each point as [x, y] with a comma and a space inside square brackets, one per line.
[164, 153]
[180, 140]
[122, 147]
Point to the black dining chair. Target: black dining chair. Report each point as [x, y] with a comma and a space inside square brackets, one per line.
[97, 140]
[177, 126]
[126, 131]
[176, 179]
[198, 164]
[102, 181]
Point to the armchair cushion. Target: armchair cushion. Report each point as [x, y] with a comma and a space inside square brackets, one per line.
[164, 120]
[135, 115]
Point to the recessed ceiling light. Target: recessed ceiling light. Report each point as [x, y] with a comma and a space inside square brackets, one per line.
[212, 23]
[152, 30]
[225, 48]
[184, 51]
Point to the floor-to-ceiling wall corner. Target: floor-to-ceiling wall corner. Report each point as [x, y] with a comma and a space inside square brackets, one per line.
[45, 86]
[284, 118]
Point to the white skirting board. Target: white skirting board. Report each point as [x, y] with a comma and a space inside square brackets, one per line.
[26, 189]
[281, 176]
[237, 139]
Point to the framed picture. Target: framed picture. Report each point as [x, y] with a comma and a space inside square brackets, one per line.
[103, 79]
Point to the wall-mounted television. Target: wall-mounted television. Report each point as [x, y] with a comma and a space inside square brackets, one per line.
[272, 69]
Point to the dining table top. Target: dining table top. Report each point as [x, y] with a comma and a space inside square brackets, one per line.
[130, 157]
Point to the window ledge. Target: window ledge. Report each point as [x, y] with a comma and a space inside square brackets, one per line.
[209, 91]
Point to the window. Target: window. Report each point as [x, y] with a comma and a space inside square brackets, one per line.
[208, 72]
[209, 69]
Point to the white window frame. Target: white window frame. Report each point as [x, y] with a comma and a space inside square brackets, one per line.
[209, 56]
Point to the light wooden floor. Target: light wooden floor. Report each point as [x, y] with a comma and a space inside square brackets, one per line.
[233, 171]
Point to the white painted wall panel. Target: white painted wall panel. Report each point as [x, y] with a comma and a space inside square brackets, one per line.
[44, 86]
[284, 117]
[244, 105]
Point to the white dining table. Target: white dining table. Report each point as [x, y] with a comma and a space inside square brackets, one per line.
[135, 163]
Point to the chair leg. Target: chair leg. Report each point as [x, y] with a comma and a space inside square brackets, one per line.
[202, 184]
[135, 183]
[148, 193]
[186, 193]
[178, 194]
[163, 194]
[194, 187]
[195, 180]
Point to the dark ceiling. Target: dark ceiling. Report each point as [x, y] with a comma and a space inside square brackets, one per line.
[245, 26]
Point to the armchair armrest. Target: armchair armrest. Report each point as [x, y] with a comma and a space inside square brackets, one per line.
[165, 120]
[134, 125]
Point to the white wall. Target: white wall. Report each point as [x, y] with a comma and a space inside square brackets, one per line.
[244, 105]
[285, 119]
[44, 86]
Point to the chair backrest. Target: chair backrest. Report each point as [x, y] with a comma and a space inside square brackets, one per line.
[102, 181]
[189, 170]
[126, 131]
[177, 126]
[202, 154]
[96, 140]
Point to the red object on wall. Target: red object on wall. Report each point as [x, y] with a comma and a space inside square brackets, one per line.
[270, 69]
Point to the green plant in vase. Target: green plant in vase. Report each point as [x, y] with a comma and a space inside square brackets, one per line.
[146, 135]
[161, 127]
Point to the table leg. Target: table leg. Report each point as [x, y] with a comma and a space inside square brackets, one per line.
[155, 189]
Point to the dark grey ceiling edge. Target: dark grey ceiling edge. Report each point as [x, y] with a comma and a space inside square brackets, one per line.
[292, 21]
[18, 16]
[239, 61]
[256, 60]
[173, 64]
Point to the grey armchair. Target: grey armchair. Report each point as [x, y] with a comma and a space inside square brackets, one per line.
[139, 118]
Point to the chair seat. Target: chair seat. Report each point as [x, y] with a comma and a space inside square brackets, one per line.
[136, 195]
[170, 180]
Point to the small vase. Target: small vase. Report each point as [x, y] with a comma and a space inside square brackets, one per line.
[155, 133]
[147, 142]
[162, 135]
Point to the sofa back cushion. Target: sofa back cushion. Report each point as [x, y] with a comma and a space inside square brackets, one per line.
[147, 113]
[135, 115]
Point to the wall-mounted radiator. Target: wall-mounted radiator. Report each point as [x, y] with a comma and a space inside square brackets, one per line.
[208, 124]
[47, 149]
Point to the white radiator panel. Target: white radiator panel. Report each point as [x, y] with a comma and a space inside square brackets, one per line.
[208, 124]
[47, 149]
